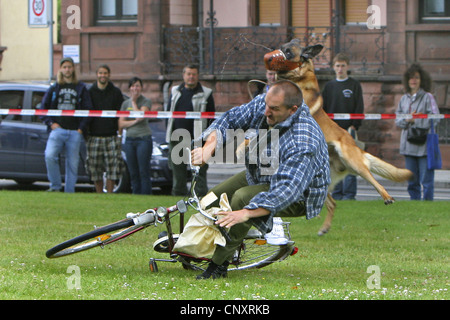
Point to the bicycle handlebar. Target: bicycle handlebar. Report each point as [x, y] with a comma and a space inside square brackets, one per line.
[152, 216]
[195, 172]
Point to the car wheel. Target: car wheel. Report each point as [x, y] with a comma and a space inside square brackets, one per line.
[24, 182]
[166, 190]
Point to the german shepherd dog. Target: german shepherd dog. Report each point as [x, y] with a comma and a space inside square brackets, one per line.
[295, 64]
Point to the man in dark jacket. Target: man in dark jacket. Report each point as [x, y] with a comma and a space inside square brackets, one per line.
[344, 95]
[66, 132]
[104, 142]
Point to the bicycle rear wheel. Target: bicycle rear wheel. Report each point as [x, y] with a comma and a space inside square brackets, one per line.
[98, 237]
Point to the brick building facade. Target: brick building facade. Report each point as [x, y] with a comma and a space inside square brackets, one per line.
[141, 46]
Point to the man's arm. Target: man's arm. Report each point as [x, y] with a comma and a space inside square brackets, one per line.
[46, 104]
[229, 219]
[86, 104]
[359, 107]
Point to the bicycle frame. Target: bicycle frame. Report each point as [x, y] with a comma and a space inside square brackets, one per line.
[182, 208]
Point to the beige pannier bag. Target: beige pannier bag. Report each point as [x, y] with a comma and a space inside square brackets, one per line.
[201, 236]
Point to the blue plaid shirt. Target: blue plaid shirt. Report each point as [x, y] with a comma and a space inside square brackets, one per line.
[301, 172]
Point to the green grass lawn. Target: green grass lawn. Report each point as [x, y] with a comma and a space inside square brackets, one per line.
[406, 244]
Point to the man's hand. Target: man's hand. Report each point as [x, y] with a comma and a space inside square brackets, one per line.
[231, 218]
[55, 126]
[200, 156]
[198, 159]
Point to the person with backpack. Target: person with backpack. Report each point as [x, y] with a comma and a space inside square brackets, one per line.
[66, 132]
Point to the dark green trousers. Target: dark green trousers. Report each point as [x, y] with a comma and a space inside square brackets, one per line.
[239, 194]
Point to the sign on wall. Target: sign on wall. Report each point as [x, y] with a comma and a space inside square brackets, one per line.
[38, 13]
[72, 51]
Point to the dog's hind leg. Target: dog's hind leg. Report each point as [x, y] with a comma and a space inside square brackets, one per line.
[388, 199]
[357, 163]
[331, 206]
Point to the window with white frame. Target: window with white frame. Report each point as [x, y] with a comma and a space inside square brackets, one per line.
[434, 11]
[110, 12]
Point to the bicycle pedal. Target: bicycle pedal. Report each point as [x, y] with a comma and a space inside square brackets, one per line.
[152, 265]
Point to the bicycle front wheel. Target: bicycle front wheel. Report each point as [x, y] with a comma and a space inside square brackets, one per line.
[98, 237]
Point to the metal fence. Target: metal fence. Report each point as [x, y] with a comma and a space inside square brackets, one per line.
[240, 51]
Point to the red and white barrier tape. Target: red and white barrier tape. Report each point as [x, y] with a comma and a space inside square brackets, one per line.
[197, 115]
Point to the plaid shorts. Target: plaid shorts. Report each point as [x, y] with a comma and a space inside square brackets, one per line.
[104, 155]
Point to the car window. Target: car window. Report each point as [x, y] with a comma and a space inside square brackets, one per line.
[36, 101]
[11, 99]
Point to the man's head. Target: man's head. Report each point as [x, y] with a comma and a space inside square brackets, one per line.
[282, 101]
[190, 76]
[66, 72]
[340, 66]
[103, 76]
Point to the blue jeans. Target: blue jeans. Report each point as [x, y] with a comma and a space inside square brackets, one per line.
[58, 141]
[139, 153]
[422, 177]
[345, 189]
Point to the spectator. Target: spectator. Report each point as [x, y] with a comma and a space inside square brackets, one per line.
[188, 96]
[104, 145]
[271, 77]
[344, 95]
[417, 100]
[138, 143]
[66, 133]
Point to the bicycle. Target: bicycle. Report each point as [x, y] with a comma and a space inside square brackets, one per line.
[254, 252]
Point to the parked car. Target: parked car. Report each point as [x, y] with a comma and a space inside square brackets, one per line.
[23, 140]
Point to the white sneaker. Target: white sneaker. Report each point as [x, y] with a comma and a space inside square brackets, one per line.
[276, 236]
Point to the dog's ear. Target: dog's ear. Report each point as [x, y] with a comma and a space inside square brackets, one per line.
[311, 51]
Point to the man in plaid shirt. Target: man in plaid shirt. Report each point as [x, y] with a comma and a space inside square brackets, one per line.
[299, 176]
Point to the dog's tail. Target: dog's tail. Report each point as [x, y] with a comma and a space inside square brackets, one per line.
[386, 170]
